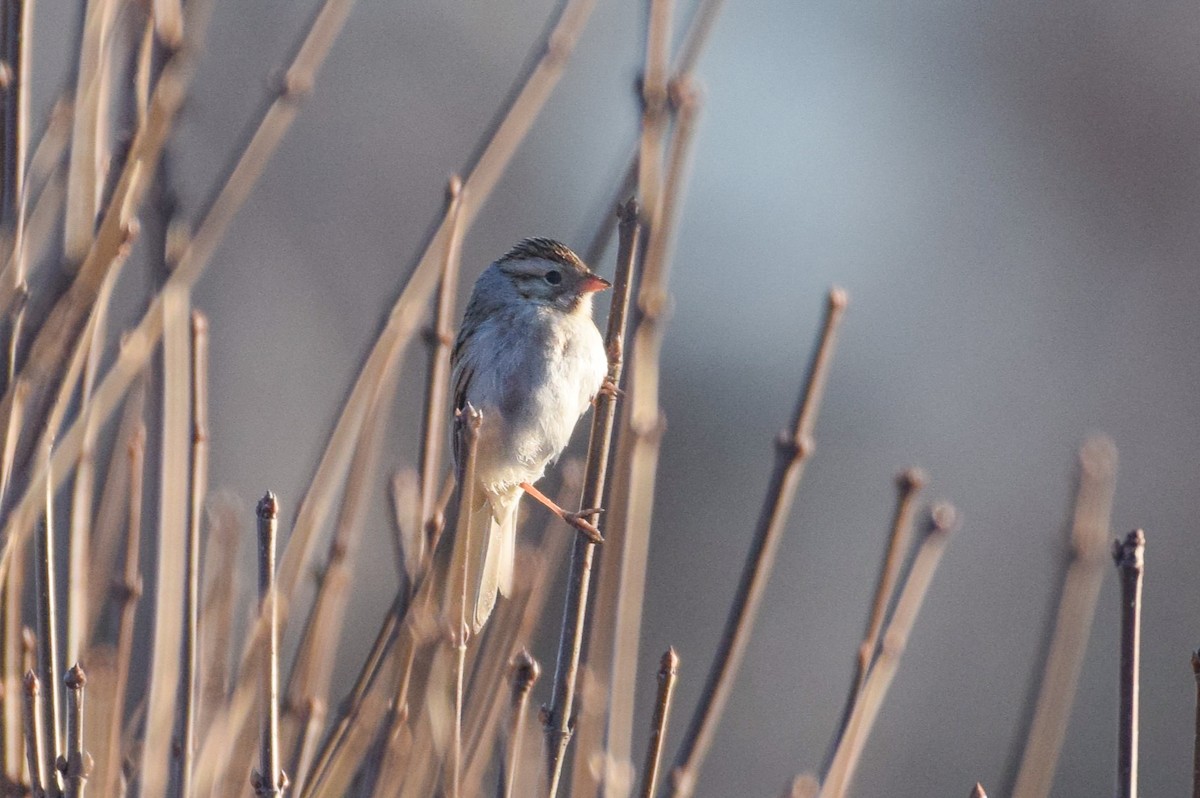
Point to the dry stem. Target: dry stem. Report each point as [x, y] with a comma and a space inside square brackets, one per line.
[1073, 623]
[558, 720]
[793, 449]
[908, 485]
[35, 737]
[943, 521]
[127, 591]
[442, 337]
[642, 427]
[668, 670]
[1129, 556]
[466, 433]
[199, 488]
[77, 765]
[525, 673]
[270, 780]
[47, 641]
[169, 590]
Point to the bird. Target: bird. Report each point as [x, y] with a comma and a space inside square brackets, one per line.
[529, 358]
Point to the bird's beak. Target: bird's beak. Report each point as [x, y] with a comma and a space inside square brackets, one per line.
[594, 282]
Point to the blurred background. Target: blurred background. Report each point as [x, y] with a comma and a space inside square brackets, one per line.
[1008, 192]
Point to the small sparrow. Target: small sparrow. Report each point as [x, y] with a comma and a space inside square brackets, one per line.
[530, 359]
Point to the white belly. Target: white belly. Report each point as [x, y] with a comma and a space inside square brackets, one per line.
[532, 382]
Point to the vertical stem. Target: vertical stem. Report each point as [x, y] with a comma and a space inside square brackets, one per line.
[466, 433]
[199, 488]
[442, 336]
[570, 642]
[794, 447]
[525, 673]
[1129, 556]
[78, 765]
[908, 485]
[47, 639]
[1073, 619]
[35, 738]
[668, 670]
[10, 606]
[943, 520]
[128, 590]
[17, 29]
[270, 779]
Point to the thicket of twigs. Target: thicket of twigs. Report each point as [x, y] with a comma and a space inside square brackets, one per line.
[434, 710]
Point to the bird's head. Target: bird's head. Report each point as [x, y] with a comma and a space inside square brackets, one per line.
[549, 273]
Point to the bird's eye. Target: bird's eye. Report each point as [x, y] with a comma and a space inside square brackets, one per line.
[553, 277]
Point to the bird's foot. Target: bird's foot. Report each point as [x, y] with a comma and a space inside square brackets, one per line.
[580, 522]
[609, 388]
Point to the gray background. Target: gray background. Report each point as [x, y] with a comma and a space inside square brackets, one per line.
[1009, 193]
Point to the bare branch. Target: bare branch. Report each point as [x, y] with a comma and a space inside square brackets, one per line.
[1129, 556]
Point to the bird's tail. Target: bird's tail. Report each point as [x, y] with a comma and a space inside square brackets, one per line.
[496, 533]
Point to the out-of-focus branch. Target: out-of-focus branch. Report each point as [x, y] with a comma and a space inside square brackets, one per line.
[170, 588]
[462, 576]
[1073, 622]
[442, 338]
[525, 672]
[642, 427]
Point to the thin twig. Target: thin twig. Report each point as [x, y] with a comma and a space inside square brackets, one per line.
[77, 764]
[1073, 621]
[558, 718]
[1129, 556]
[47, 641]
[270, 780]
[668, 670]
[525, 673]
[35, 737]
[943, 521]
[908, 485]
[191, 601]
[793, 449]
